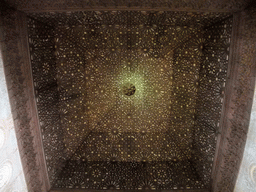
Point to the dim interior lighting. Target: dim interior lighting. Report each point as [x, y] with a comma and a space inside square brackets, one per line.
[123, 85]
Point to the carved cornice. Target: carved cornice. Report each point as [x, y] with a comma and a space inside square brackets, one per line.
[237, 103]
[169, 5]
[16, 61]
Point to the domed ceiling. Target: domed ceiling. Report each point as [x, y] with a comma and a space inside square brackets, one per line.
[129, 99]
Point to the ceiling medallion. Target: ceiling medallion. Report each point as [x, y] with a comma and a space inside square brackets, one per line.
[129, 89]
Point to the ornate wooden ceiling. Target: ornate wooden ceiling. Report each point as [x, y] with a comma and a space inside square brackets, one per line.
[163, 136]
[210, 110]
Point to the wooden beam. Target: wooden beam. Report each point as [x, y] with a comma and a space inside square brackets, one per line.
[129, 5]
[109, 190]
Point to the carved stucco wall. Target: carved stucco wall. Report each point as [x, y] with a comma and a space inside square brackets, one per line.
[246, 181]
[11, 172]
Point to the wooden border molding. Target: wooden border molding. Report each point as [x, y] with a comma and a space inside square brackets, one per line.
[132, 5]
[238, 100]
[14, 46]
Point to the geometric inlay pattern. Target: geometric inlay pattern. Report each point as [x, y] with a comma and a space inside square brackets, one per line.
[129, 99]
